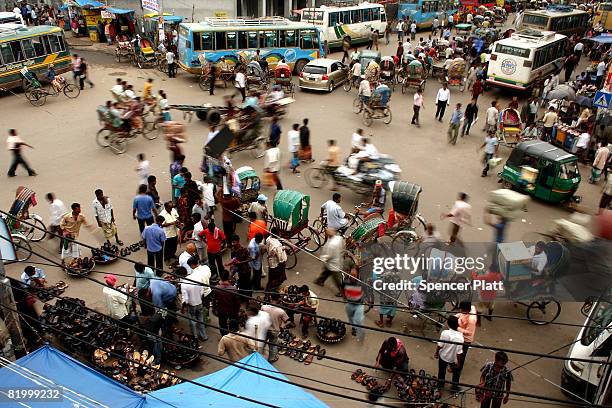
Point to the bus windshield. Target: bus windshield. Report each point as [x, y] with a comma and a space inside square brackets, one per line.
[510, 50]
[539, 21]
[308, 15]
[600, 319]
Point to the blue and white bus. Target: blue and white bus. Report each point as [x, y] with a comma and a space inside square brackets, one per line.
[423, 12]
[275, 37]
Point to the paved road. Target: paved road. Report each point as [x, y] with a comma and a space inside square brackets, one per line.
[70, 164]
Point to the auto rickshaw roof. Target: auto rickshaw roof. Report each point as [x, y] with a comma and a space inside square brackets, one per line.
[544, 150]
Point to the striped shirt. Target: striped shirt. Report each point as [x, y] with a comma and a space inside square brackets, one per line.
[353, 289]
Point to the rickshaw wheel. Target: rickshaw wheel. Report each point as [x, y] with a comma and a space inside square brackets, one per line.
[317, 225]
[37, 97]
[543, 312]
[72, 91]
[388, 116]
[260, 148]
[291, 255]
[315, 177]
[103, 137]
[367, 118]
[357, 105]
[36, 233]
[404, 241]
[311, 239]
[347, 85]
[118, 144]
[507, 184]
[23, 249]
[149, 129]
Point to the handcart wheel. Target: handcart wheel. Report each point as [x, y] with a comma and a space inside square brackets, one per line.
[315, 177]
[118, 144]
[367, 118]
[357, 105]
[204, 82]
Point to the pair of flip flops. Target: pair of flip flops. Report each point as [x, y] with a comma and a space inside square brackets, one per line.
[131, 249]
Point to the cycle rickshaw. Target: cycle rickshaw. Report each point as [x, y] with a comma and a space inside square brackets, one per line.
[290, 216]
[509, 127]
[226, 76]
[144, 54]
[414, 77]
[249, 187]
[282, 77]
[257, 78]
[37, 94]
[387, 72]
[378, 107]
[124, 49]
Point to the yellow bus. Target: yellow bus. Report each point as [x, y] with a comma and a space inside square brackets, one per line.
[602, 15]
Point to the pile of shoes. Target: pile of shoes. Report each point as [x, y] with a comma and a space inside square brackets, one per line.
[80, 266]
[291, 295]
[331, 330]
[418, 388]
[299, 350]
[181, 356]
[49, 292]
[104, 255]
[370, 382]
[128, 250]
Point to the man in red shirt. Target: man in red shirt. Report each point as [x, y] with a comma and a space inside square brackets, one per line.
[230, 205]
[214, 239]
[487, 296]
[256, 226]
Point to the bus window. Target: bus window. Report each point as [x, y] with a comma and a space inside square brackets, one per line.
[367, 14]
[220, 40]
[197, 41]
[309, 39]
[56, 43]
[538, 21]
[47, 47]
[346, 17]
[356, 16]
[208, 41]
[28, 49]
[383, 16]
[16, 51]
[242, 40]
[7, 54]
[39, 47]
[375, 14]
[334, 19]
[232, 38]
[253, 39]
[288, 38]
[268, 39]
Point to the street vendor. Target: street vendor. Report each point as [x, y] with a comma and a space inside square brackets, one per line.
[33, 277]
[539, 258]
[308, 304]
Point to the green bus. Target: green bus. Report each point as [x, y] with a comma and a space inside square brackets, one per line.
[32, 47]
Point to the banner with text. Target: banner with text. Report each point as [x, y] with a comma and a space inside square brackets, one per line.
[152, 5]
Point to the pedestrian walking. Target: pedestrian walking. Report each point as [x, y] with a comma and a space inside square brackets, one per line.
[171, 229]
[143, 208]
[192, 294]
[105, 216]
[76, 68]
[417, 106]
[143, 169]
[400, 30]
[275, 132]
[454, 124]
[399, 52]
[14, 144]
[477, 88]
[228, 302]
[387, 34]
[459, 215]
[569, 65]
[272, 165]
[375, 39]
[57, 209]
[495, 375]
[413, 30]
[240, 83]
[197, 236]
[533, 110]
[578, 49]
[471, 114]
[70, 225]
[305, 152]
[492, 118]
[84, 75]
[600, 161]
[280, 320]
[154, 238]
[442, 101]
[171, 64]
[601, 71]
[178, 182]
[449, 354]
[212, 78]
[353, 290]
[332, 260]
[326, 51]
[229, 207]
[471, 78]
[467, 321]
[293, 138]
[435, 25]
[346, 46]
[370, 39]
[490, 145]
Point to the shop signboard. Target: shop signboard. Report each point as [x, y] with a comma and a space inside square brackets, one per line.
[152, 5]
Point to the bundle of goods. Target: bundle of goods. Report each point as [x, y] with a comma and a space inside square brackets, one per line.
[104, 255]
[331, 330]
[506, 203]
[174, 132]
[183, 355]
[50, 292]
[299, 350]
[137, 370]
[571, 231]
[79, 266]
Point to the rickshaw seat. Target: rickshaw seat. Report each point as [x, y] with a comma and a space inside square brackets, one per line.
[512, 129]
[147, 50]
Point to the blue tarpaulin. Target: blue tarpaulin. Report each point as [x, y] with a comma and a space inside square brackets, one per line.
[236, 381]
[603, 38]
[89, 3]
[80, 385]
[118, 10]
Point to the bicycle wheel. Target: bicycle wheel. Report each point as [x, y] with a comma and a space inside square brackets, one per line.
[149, 128]
[35, 232]
[543, 312]
[291, 255]
[72, 91]
[315, 177]
[23, 249]
[348, 84]
[318, 226]
[309, 239]
[37, 97]
[404, 241]
[353, 222]
[388, 116]
[118, 144]
[103, 137]
[204, 82]
[367, 118]
[357, 105]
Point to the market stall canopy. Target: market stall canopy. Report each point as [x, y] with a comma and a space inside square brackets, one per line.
[236, 381]
[168, 18]
[86, 4]
[562, 92]
[118, 10]
[80, 385]
[603, 39]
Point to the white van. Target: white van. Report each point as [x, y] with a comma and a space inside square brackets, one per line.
[591, 381]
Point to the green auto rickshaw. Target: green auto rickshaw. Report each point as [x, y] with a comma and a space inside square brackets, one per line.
[543, 171]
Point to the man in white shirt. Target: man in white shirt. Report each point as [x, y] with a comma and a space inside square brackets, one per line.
[578, 49]
[257, 325]
[117, 90]
[334, 214]
[190, 251]
[601, 70]
[198, 229]
[272, 164]
[357, 141]
[241, 84]
[116, 301]
[332, 260]
[192, 294]
[370, 151]
[143, 169]
[583, 143]
[539, 260]
[14, 144]
[103, 211]
[449, 354]
[365, 92]
[459, 215]
[442, 101]
[356, 71]
[57, 209]
[170, 226]
[492, 118]
[293, 139]
[171, 64]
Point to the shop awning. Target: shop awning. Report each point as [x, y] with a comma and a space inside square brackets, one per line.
[168, 18]
[118, 10]
[87, 3]
[603, 38]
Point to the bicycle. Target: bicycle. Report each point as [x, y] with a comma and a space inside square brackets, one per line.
[352, 81]
[37, 94]
[117, 138]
